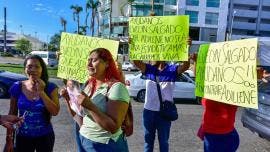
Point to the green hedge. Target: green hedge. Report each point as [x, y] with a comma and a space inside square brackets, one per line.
[18, 68]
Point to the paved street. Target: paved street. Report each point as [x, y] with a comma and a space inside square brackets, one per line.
[183, 134]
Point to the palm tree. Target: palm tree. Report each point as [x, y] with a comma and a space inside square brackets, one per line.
[93, 5]
[83, 30]
[63, 23]
[76, 15]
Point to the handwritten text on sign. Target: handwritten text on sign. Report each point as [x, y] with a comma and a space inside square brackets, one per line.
[230, 73]
[159, 38]
[75, 52]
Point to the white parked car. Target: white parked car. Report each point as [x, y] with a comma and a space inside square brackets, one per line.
[184, 86]
[128, 66]
[49, 57]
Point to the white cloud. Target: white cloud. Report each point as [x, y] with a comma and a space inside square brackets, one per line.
[39, 4]
[39, 9]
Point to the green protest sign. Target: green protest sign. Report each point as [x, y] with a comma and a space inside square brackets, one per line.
[230, 74]
[200, 69]
[160, 38]
[75, 50]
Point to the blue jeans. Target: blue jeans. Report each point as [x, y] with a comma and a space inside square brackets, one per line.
[77, 137]
[152, 121]
[221, 142]
[119, 146]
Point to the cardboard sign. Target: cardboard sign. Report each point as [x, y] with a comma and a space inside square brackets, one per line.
[159, 38]
[75, 50]
[230, 74]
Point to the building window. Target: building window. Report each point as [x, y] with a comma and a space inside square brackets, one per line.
[192, 2]
[252, 20]
[145, 10]
[170, 2]
[193, 16]
[250, 32]
[212, 3]
[194, 33]
[211, 18]
[265, 21]
[168, 13]
[209, 34]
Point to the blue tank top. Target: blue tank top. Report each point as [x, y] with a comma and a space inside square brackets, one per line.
[35, 122]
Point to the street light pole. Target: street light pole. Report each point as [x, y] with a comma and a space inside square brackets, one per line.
[21, 29]
[230, 35]
[5, 29]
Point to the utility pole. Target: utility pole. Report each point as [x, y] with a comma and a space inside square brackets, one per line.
[5, 29]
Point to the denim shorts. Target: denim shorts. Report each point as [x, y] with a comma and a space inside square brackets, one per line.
[119, 146]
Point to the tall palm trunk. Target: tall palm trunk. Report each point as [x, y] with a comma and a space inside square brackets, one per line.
[78, 23]
[98, 31]
[93, 22]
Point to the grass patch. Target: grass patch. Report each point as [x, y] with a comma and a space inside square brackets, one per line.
[18, 68]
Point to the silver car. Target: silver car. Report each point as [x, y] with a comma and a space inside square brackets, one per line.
[259, 120]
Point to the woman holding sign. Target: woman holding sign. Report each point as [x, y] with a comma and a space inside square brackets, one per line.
[217, 127]
[105, 100]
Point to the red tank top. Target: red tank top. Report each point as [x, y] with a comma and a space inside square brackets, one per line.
[218, 118]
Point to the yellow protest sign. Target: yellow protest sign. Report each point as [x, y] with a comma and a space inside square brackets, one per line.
[75, 50]
[160, 38]
[230, 73]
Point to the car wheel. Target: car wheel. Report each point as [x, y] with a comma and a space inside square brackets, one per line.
[141, 96]
[3, 90]
[198, 100]
[129, 69]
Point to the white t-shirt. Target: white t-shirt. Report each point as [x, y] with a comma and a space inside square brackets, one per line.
[167, 79]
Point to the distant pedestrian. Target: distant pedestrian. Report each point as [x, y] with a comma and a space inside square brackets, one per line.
[35, 99]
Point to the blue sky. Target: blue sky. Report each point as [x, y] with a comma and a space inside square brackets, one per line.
[40, 18]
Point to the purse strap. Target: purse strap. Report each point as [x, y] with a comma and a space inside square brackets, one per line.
[159, 91]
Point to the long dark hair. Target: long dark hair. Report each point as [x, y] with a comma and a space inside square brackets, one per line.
[44, 73]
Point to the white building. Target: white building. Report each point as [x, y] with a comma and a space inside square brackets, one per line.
[208, 20]
[11, 39]
[249, 18]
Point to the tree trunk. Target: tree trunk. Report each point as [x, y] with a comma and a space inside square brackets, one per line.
[78, 24]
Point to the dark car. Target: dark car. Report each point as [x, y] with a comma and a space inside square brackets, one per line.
[259, 120]
[7, 79]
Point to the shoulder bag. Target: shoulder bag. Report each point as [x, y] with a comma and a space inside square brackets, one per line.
[167, 110]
